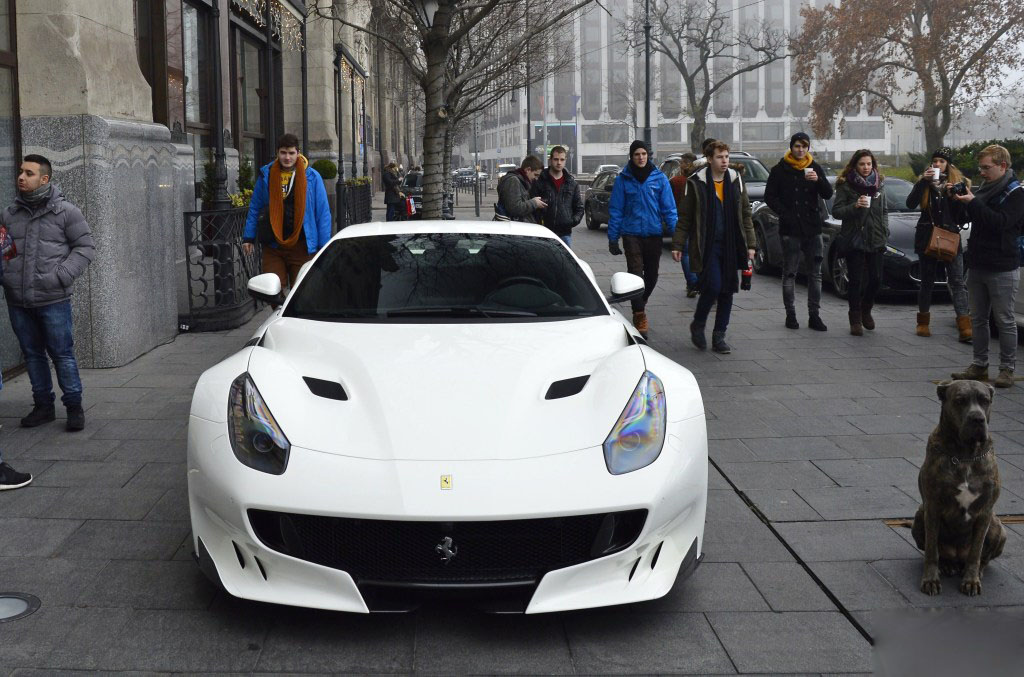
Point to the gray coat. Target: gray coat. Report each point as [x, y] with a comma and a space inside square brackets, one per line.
[54, 248]
[514, 197]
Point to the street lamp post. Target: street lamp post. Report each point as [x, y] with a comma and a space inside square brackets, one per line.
[362, 124]
[352, 92]
[220, 176]
[647, 75]
[339, 186]
[476, 170]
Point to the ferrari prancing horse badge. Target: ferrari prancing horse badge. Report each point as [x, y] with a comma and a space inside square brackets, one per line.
[446, 481]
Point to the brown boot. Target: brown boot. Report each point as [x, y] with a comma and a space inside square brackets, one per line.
[963, 324]
[922, 324]
[972, 373]
[640, 322]
[856, 328]
[865, 316]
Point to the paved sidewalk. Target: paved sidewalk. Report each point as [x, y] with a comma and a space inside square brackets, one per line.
[815, 440]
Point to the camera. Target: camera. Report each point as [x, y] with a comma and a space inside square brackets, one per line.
[958, 188]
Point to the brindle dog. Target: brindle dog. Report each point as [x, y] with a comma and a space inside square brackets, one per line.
[959, 484]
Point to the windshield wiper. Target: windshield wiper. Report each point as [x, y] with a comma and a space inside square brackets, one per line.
[457, 311]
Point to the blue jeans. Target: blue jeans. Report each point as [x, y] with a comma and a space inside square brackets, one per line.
[43, 331]
[711, 290]
[392, 213]
[691, 277]
[567, 239]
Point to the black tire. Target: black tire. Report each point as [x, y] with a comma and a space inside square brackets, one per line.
[838, 275]
[592, 223]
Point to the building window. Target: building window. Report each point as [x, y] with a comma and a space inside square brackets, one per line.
[671, 89]
[606, 134]
[722, 131]
[864, 130]
[10, 123]
[618, 90]
[249, 85]
[198, 68]
[722, 99]
[763, 131]
[671, 133]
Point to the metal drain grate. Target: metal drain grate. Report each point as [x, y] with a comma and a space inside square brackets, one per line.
[17, 605]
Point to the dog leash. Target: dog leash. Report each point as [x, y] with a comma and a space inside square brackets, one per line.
[956, 461]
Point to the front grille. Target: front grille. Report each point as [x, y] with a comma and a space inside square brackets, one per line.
[915, 273]
[485, 552]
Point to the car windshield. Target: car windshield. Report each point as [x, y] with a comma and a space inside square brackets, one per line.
[445, 277]
[896, 192]
[755, 170]
[413, 180]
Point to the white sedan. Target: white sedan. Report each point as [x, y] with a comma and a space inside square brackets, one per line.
[447, 408]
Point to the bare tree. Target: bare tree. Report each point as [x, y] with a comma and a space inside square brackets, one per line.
[427, 42]
[700, 39]
[918, 58]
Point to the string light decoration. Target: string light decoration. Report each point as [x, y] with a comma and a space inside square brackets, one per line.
[282, 22]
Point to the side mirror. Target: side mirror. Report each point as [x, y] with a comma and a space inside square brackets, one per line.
[266, 288]
[625, 287]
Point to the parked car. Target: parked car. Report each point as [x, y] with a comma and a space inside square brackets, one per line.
[358, 454]
[755, 174]
[607, 168]
[412, 186]
[503, 169]
[901, 270]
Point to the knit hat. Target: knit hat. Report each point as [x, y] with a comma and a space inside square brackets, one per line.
[799, 136]
[639, 143]
[945, 152]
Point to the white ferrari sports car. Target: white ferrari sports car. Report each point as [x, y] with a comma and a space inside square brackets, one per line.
[447, 408]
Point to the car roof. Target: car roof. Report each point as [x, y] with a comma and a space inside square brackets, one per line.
[444, 226]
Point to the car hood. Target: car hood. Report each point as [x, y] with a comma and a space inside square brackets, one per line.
[902, 227]
[446, 391]
[755, 190]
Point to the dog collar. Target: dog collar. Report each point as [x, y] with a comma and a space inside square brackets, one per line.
[956, 461]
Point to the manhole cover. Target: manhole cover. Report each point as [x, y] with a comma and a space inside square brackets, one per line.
[16, 605]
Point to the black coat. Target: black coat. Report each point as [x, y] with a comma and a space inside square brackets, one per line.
[392, 182]
[941, 210]
[994, 232]
[565, 207]
[796, 200]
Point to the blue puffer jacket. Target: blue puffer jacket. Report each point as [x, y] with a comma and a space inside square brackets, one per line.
[316, 220]
[644, 210]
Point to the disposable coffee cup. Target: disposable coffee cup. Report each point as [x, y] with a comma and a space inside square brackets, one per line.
[808, 170]
[934, 173]
[869, 199]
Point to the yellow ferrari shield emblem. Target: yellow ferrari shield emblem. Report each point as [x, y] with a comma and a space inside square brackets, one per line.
[446, 481]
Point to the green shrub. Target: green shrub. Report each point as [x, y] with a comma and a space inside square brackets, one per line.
[246, 175]
[918, 161]
[327, 169]
[359, 181]
[964, 156]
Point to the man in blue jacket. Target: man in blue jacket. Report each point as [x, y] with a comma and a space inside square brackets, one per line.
[297, 223]
[641, 203]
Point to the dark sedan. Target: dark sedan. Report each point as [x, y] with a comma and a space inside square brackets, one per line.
[412, 186]
[901, 270]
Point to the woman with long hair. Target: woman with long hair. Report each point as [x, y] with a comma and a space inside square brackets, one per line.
[860, 205]
[931, 196]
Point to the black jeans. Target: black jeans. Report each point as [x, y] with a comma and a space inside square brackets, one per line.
[865, 271]
[643, 254]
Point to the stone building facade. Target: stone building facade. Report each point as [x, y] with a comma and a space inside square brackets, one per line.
[121, 96]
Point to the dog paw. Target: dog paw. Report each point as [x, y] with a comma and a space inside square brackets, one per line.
[971, 586]
[931, 586]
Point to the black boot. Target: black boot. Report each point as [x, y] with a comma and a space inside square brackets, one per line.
[815, 323]
[697, 336]
[40, 414]
[791, 321]
[76, 418]
[718, 343]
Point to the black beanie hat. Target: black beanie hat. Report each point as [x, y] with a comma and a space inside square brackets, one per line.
[799, 136]
[639, 143]
[945, 153]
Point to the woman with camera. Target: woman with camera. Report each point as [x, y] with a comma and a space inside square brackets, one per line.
[938, 210]
[860, 205]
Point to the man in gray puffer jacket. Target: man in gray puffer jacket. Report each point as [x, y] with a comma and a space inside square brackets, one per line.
[54, 247]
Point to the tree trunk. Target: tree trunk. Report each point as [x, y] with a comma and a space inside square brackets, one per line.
[435, 49]
[698, 129]
[935, 126]
[449, 144]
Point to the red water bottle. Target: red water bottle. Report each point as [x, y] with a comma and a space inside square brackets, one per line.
[748, 274]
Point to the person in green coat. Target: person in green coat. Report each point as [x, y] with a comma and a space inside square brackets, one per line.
[860, 205]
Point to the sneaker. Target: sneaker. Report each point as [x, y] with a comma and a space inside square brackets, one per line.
[76, 418]
[815, 323]
[697, 336]
[791, 322]
[40, 414]
[1005, 378]
[691, 292]
[12, 479]
[972, 373]
[718, 343]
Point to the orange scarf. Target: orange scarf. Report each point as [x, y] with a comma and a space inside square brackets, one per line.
[798, 165]
[277, 202]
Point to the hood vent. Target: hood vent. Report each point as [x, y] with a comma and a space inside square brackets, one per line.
[566, 388]
[326, 389]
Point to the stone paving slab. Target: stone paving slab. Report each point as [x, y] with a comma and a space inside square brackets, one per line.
[814, 438]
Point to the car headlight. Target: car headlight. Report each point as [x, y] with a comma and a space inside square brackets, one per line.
[256, 438]
[639, 434]
[892, 251]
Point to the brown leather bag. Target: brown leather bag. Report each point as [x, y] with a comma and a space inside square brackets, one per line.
[943, 244]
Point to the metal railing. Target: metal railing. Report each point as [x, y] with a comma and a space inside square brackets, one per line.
[358, 205]
[217, 271]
